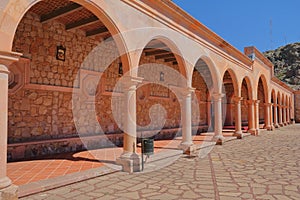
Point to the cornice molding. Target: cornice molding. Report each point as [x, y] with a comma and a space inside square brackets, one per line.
[174, 17]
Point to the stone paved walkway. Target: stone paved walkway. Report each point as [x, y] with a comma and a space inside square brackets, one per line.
[262, 167]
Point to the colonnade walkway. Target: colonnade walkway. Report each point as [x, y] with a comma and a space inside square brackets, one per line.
[52, 171]
[261, 167]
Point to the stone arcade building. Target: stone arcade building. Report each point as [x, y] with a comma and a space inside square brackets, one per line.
[147, 52]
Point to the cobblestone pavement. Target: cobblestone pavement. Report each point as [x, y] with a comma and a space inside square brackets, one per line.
[262, 167]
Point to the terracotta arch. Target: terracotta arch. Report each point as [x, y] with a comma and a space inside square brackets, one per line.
[279, 109]
[92, 7]
[265, 87]
[279, 98]
[216, 81]
[233, 76]
[174, 49]
[249, 86]
[208, 80]
[283, 100]
[273, 96]
[274, 109]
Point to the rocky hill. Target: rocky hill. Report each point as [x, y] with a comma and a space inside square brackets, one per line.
[286, 62]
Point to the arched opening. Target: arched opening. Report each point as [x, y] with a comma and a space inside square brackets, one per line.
[228, 105]
[291, 111]
[58, 39]
[273, 101]
[283, 109]
[279, 109]
[262, 97]
[287, 109]
[202, 110]
[158, 107]
[246, 95]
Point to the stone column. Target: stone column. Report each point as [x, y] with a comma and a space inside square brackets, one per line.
[186, 110]
[238, 117]
[284, 116]
[276, 116]
[218, 137]
[256, 111]
[130, 160]
[288, 115]
[267, 116]
[280, 115]
[251, 117]
[271, 116]
[7, 190]
[209, 120]
[4, 180]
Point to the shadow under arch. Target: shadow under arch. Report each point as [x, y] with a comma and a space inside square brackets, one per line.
[263, 81]
[202, 82]
[234, 80]
[274, 102]
[214, 73]
[249, 86]
[169, 46]
[246, 94]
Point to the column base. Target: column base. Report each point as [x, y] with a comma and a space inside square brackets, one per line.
[238, 134]
[284, 123]
[257, 132]
[252, 131]
[219, 139]
[9, 193]
[281, 124]
[130, 162]
[276, 125]
[4, 182]
[268, 127]
[188, 148]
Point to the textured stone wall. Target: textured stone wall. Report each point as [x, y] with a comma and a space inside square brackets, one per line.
[39, 42]
[35, 115]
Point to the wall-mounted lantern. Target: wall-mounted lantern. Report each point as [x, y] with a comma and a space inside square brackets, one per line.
[162, 76]
[61, 53]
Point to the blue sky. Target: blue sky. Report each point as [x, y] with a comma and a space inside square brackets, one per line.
[247, 23]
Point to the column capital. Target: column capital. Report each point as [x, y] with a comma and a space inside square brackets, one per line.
[130, 82]
[187, 91]
[217, 96]
[237, 99]
[7, 58]
[250, 102]
[268, 104]
[3, 69]
[182, 91]
[257, 102]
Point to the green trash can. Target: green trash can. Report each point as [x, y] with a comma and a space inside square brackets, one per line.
[148, 146]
